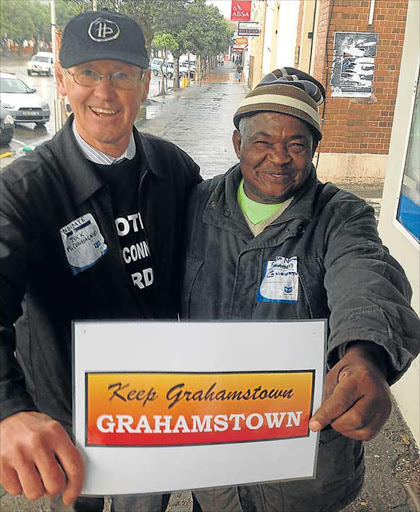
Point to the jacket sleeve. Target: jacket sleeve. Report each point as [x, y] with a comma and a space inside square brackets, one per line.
[192, 170]
[367, 290]
[13, 273]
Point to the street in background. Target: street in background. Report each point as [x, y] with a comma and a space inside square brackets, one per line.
[33, 135]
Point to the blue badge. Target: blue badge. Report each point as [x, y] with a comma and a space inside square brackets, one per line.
[281, 281]
[83, 243]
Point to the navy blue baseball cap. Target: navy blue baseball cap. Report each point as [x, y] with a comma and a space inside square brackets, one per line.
[100, 35]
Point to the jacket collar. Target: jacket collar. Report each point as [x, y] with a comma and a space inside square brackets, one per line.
[79, 172]
[223, 208]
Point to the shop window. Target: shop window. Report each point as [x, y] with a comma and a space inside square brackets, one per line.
[408, 213]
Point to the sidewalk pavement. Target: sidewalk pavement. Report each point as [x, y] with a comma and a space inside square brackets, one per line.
[199, 120]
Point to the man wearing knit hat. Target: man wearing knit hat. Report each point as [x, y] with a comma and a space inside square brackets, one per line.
[270, 212]
[74, 215]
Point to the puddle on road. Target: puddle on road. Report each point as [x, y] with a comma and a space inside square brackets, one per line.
[149, 110]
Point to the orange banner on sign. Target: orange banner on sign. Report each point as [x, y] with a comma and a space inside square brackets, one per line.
[167, 409]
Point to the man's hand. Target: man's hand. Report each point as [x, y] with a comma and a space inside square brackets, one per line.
[357, 399]
[38, 458]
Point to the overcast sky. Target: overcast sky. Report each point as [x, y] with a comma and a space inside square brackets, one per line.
[223, 5]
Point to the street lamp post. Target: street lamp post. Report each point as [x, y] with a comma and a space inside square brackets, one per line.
[58, 121]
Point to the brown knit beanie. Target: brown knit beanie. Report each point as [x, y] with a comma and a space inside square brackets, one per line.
[286, 91]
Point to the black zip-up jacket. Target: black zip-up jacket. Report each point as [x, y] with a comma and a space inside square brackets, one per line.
[40, 296]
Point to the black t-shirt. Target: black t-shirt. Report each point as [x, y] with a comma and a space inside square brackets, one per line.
[123, 180]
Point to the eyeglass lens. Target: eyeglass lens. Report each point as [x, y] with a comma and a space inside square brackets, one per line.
[90, 78]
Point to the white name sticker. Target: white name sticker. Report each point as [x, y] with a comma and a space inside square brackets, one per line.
[83, 243]
[280, 282]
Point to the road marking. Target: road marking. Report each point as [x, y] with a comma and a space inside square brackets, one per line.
[19, 142]
[4, 155]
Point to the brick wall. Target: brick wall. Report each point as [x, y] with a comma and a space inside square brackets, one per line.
[361, 125]
[299, 34]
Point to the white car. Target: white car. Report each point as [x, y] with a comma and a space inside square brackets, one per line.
[22, 102]
[183, 69]
[41, 63]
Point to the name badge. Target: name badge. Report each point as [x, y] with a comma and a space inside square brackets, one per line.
[281, 281]
[83, 243]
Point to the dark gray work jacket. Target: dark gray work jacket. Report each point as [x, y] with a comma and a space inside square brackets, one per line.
[40, 296]
[338, 268]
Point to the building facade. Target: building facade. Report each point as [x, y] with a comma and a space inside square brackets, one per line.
[354, 48]
[399, 222]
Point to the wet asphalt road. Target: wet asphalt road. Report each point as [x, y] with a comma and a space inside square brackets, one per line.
[199, 119]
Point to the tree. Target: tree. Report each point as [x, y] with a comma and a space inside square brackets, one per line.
[67, 9]
[24, 19]
[42, 24]
[174, 22]
[151, 15]
[168, 44]
[206, 32]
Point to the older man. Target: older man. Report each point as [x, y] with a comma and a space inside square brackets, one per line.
[268, 210]
[90, 229]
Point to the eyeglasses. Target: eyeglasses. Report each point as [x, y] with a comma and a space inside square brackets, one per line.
[120, 80]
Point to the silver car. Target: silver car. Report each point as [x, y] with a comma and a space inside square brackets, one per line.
[6, 127]
[22, 102]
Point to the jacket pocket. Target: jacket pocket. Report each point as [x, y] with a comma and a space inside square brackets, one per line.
[191, 270]
[311, 278]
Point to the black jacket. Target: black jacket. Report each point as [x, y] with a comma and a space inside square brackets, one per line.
[41, 193]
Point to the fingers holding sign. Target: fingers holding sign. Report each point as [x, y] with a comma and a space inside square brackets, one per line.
[38, 458]
[357, 399]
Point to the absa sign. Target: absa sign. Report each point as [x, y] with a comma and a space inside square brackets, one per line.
[241, 10]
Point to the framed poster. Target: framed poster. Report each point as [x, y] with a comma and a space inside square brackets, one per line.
[353, 64]
[164, 406]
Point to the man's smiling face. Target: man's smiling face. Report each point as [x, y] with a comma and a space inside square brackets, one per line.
[104, 114]
[275, 151]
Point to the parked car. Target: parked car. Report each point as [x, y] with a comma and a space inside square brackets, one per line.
[183, 69]
[192, 64]
[168, 68]
[41, 63]
[7, 126]
[22, 102]
[155, 65]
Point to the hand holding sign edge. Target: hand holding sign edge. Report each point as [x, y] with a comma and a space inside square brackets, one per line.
[357, 399]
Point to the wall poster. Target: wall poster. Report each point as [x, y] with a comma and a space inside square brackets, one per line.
[353, 64]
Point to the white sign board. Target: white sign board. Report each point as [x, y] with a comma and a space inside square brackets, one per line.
[248, 28]
[164, 406]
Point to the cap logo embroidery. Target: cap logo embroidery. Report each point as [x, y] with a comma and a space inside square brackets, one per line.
[102, 30]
